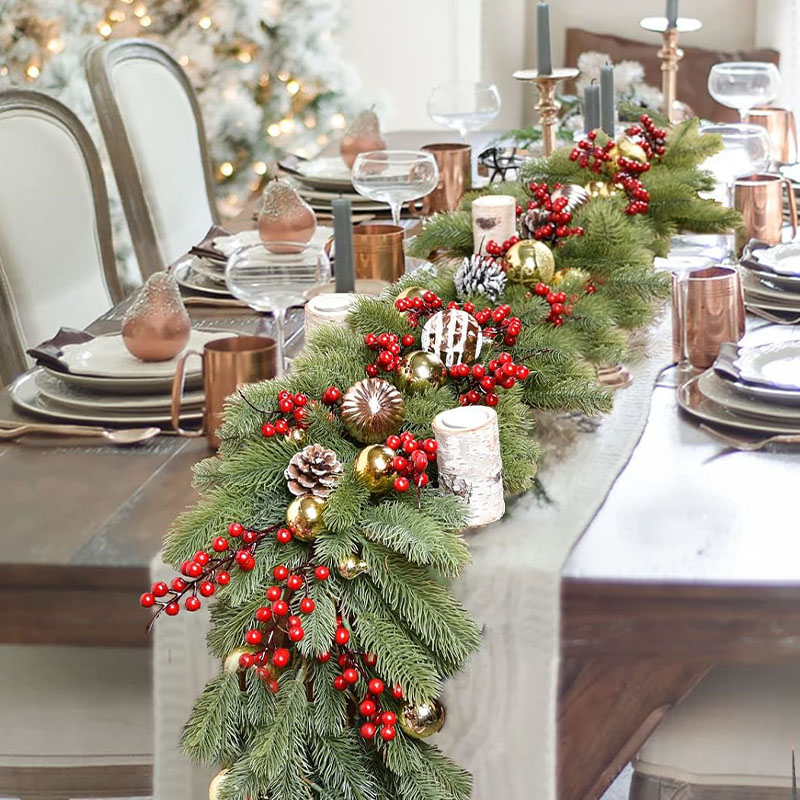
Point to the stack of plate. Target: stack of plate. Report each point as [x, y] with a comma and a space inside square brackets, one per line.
[749, 388]
[104, 384]
[771, 279]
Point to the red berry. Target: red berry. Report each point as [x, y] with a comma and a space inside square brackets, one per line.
[388, 718]
[421, 480]
[172, 609]
[296, 633]
[294, 621]
[307, 605]
[246, 661]
[397, 691]
[393, 442]
[281, 657]
[376, 686]
[177, 584]
[367, 730]
[522, 372]
[430, 446]
[192, 603]
[323, 657]
[273, 593]
[294, 582]
[280, 607]
[281, 426]
[220, 544]
[333, 394]
[350, 675]
[159, 589]
[206, 588]
[300, 399]
[223, 578]
[478, 371]
[193, 569]
[235, 529]
[147, 600]
[268, 429]
[283, 535]
[491, 399]
[388, 732]
[201, 557]
[286, 405]
[401, 484]
[280, 573]
[340, 683]
[342, 636]
[248, 537]
[399, 463]
[242, 556]
[371, 370]
[322, 572]
[367, 708]
[370, 659]
[253, 636]
[263, 614]
[343, 659]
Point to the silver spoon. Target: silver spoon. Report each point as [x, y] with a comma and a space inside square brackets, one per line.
[120, 438]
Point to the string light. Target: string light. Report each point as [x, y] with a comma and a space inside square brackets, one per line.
[284, 76]
[104, 29]
[32, 71]
[263, 81]
[140, 10]
[310, 121]
[260, 167]
[244, 56]
[115, 15]
[55, 45]
[146, 21]
[322, 139]
[183, 59]
[338, 121]
[226, 169]
[204, 23]
[274, 130]
[4, 70]
[286, 125]
[293, 87]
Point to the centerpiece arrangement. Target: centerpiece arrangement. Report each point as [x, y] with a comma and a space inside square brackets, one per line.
[331, 519]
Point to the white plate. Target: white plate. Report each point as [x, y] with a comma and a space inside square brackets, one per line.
[331, 168]
[755, 286]
[125, 386]
[26, 395]
[787, 282]
[723, 392]
[189, 279]
[784, 259]
[775, 365]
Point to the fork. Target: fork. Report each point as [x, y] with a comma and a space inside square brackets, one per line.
[750, 445]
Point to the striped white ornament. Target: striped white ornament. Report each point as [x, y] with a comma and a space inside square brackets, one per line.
[453, 335]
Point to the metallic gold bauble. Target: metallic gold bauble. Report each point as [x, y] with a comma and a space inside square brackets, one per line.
[297, 435]
[530, 261]
[600, 189]
[420, 369]
[374, 467]
[625, 147]
[216, 784]
[304, 517]
[421, 720]
[453, 335]
[231, 662]
[411, 292]
[572, 273]
[352, 566]
[371, 410]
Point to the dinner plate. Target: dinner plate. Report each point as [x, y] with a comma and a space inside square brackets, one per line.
[187, 278]
[771, 304]
[124, 386]
[723, 393]
[754, 285]
[329, 173]
[776, 365]
[772, 279]
[25, 395]
[766, 394]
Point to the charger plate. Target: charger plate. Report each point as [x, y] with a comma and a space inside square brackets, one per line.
[726, 393]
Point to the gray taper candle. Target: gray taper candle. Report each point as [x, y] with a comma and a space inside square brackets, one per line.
[607, 107]
[591, 107]
[544, 60]
[344, 268]
[672, 13]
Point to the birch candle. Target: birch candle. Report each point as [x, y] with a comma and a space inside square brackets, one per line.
[468, 459]
[328, 308]
[494, 218]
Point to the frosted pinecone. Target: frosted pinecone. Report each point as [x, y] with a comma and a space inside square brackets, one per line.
[480, 275]
[314, 470]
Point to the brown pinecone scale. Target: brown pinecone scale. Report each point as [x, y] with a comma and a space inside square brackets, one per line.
[314, 470]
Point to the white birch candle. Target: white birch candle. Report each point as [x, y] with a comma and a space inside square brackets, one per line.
[332, 307]
[468, 458]
[494, 218]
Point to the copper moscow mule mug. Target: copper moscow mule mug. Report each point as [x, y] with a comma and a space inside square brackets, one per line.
[455, 177]
[782, 128]
[760, 200]
[378, 251]
[227, 364]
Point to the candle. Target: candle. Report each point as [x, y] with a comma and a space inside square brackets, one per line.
[494, 218]
[326, 309]
[591, 108]
[607, 108]
[672, 13]
[343, 239]
[544, 61]
[794, 778]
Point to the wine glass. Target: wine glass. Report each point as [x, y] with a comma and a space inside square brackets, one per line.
[275, 275]
[744, 84]
[464, 105]
[395, 177]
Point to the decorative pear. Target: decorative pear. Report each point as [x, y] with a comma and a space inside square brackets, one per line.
[157, 326]
[285, 216]
[362, 135]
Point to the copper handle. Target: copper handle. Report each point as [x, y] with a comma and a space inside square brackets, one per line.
[177, 396]
[792, 204]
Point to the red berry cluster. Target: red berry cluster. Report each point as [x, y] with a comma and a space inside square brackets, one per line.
[497, 249]
[651, 139]
[590, 155]
[411, 467]
[418, 307]
[290, 414]
[478, 384]
[638, 196]
[556, 216]
[559, 308]
[494, 321]
[389, 347]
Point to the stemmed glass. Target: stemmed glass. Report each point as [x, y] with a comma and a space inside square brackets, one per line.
[744, 84]
[395, 177]
[464, 105]
[273, 276]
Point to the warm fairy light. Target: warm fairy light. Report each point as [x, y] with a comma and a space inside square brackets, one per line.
[104, 29]
[55, 45]
[284, 76]
[293, 87]
[128, 2]
[226, 169]
[310, 121]
[32, 71]
[204, 23]
[4, 70]
[244, 56]
[140, 10]
[322, 139]
[263, 81]
[183, 59]
[260, 167]
[146, 21]
[115, 15]
[303, 152]
[338, 121]
[274, 130]
[286, 125]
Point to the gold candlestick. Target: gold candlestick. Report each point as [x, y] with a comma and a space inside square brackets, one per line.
[547, 106]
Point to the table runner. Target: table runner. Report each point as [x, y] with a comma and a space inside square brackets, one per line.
[502, 710]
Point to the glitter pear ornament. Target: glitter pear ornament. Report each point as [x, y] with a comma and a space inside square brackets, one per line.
[352, 566]
[362, 135]
[304, 517]
[421, 720]
[419, 370]
[285, 216]
[371, 410]
[529, 262]
[157, 326]
[454, 336]
[374, 467]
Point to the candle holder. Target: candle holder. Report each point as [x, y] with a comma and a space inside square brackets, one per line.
[670, 54]
[547, 106]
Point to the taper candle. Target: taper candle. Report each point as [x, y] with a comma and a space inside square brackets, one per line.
[672, 13]
[343, 240]
[607, 105]
[494, 218]
[591, 107]
[544, 60]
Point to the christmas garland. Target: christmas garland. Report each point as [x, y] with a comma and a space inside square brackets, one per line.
[331, 519]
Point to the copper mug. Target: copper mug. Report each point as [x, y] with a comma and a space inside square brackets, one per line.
[378, 252]
[760, 200]
[714, 313]
[455, 177]
[782, 128]
[227, 364]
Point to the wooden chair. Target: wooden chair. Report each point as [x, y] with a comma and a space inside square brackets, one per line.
[154, 134]
[56, 254]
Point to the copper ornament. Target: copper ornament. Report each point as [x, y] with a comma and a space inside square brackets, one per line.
[157, 326]
[371, 410]
[314, 470]
[374, 467]
[285, 216]
[304, 517]
[362, 135]
[529, 262]
[352, 566]
[453, 335]
[421, 720]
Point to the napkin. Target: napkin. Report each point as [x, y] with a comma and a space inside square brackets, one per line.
[49, 352]
[206, 248]
[725, 365]
[227, 243]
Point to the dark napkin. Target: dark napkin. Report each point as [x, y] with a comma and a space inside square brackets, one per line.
[724, 365]
[206, 249]
[49, 352]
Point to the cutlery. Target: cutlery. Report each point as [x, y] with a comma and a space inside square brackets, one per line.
[760, 312]
[214, 302]
[750, 445]
[121, 437]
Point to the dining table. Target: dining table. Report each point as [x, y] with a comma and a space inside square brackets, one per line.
[689, 563]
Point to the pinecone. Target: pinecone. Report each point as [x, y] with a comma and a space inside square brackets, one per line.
[314, 470]
[480, 275]
[530, 221]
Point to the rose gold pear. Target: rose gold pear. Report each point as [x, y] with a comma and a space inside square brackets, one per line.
[362, 135]
[285, 216]
[157, 326]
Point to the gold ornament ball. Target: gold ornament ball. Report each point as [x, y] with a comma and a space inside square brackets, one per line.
[411, 292]
[420, 369]
[627, 148]
[371, 410]
[304, 517]
[297, 435]
[352, 566]
[530, 261]
[374, 467]
[216, 784]
[600, 189]
[421, 720]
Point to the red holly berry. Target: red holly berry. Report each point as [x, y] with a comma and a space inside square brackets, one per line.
[245, 661]
[322, 572]
[223, 578]
[253, 636]
[294, 582]
[376, 686]
[397, 691]
[171, 609]
[307, 605]
[263, 614]
[159, 589]
[147, 600]
[340, 683]
[342, 636]
[206, 588]
[324, 657]
[220, 544]
[388, 732]
[367, 730]
[350, 675]
[192, 603]
[283, 535]
[296, 633]
[248, 537]
[273, 593]
[281, 657]
[242, 556]
[388, 718]
[294, 621]
[370, 659]
[280, 607]
[201, 557]
[401, 484]
[268, 430]
[280, 573]
[393, 442]
[367, 708]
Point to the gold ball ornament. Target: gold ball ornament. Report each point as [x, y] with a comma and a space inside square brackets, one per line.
[411, 292]
[421, 720]
[625, 147]
[304, 517]
[216, 784]
[374, 467]
[352, 566]
[371, 410]
[420, 369]
[529, 262]
[600, 189]
[297, 435]
[453, 335]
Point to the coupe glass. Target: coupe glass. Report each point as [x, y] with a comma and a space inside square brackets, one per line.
[464, 105]
[272, 277]
[744, 84]
[395, 177]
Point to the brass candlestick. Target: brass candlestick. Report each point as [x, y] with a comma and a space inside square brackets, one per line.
[547, 106]
[670, 54]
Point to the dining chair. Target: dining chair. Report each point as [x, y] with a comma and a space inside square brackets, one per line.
[154, 134]
[57, 263]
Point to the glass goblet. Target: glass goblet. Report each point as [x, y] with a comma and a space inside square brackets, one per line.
[464, 105]
[395, 177]
[744, 84]
[273, 276]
